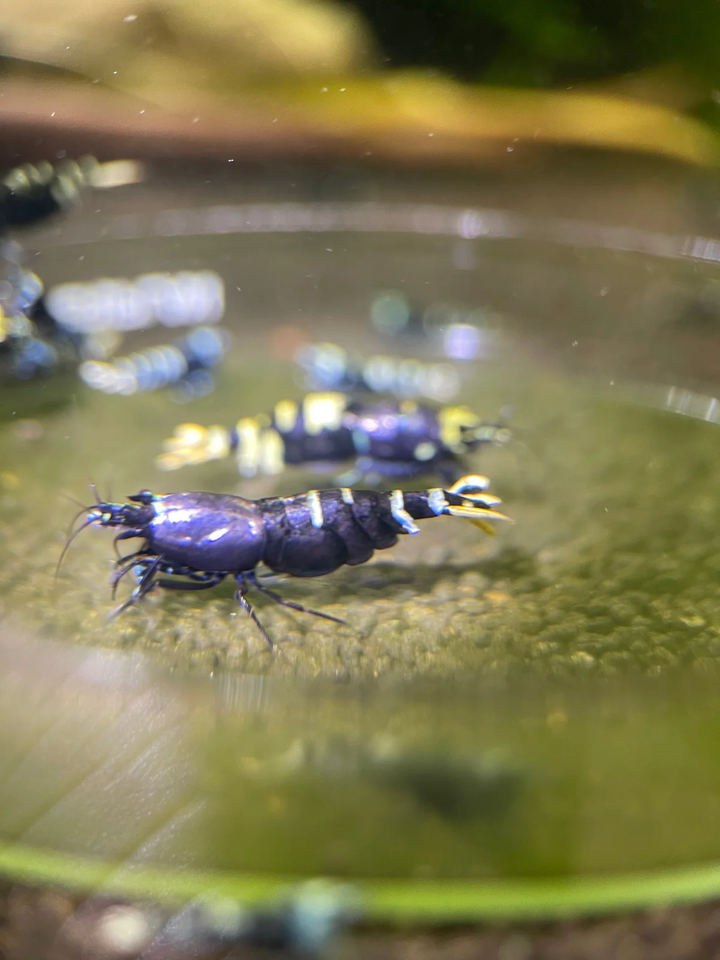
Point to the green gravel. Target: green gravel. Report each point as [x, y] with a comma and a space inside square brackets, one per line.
[610, 566]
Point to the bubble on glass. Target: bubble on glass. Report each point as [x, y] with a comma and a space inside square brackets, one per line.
[462, 341]
[390, 313]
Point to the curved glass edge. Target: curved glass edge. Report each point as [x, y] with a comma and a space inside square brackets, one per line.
[384, 901]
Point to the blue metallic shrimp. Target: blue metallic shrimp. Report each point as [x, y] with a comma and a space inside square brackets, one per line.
[184, 364]
[389, 438]
[203, 538]
[328, 366]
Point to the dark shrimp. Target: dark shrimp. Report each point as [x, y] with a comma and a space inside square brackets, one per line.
[390, 438]
[29, 193]
[206, 537]
[29, 341]
[31, 344]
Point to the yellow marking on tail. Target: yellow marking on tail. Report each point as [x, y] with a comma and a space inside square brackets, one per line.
[286, 414]
[248, 448]
[470, 512]
[476, 506]
[473, 481]
[193, 444]
[323, 411]
[271, 454]
[452, 421]
[485, 527]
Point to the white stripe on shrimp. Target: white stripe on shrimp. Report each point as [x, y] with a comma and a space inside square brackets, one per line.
[400, 514]
[315, 507]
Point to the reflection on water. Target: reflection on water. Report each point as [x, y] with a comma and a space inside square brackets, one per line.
[118, 779]
[425, 219]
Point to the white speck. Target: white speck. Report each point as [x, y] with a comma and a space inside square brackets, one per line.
[124, 930]
[612, 383]
[231, 160]
[114, 73]
[275, 120]
[195, 119]
[431, 134]
[324, 90]
[328, 249]
[130, 18]
[509, 149]
[142, 111]
[575, 343]
[343, 89]
[604, 292]
[81, 257]
[52, 114]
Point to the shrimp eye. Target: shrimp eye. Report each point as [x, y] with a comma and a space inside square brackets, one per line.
[145, 496]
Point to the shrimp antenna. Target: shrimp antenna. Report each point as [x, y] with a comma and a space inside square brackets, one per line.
[66, 496]
[72, 536]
